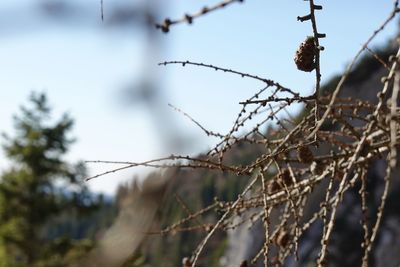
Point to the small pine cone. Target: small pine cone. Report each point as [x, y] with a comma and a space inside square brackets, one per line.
[186, 262]
[317, 168]
[305, 55]
[244, 263]
[366, 148]
[273, 186]
[339, 175]
[275, 260]
[282, 239]
[285, 177]
[305, 155]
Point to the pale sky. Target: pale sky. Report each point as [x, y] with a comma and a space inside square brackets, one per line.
[85, 66]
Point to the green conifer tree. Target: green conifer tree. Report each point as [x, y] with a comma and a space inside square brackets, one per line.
[38, 186]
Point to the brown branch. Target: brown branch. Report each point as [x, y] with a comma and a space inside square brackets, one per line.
[350, 68]
[242, 74]
[208, 133]
[188, 18]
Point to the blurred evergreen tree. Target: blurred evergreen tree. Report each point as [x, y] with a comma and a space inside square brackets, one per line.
[39, 186]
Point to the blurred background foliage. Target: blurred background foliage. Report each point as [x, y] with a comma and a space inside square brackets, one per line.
[42, 197]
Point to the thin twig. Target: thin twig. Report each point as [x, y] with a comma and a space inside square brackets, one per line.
[208, 133]
[242, 74]
[102, 10]
[188, 18]
[378, 58]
